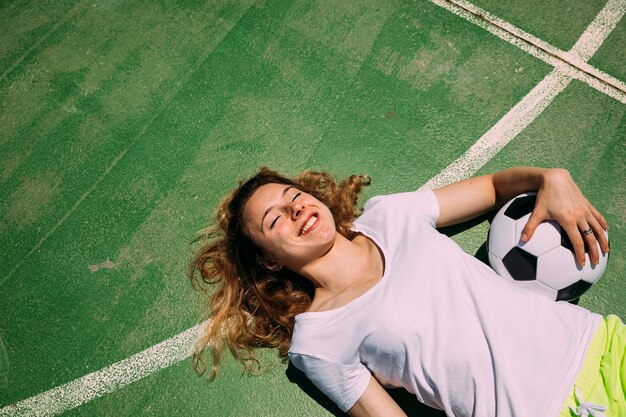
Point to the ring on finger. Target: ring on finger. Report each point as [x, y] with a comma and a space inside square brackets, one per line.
[587, 232]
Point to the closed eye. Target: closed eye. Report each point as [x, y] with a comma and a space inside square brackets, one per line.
[292, 200]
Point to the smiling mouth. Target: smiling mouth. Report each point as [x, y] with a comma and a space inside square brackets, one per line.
[310, 223]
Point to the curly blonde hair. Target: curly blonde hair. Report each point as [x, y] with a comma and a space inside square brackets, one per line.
[249, 306]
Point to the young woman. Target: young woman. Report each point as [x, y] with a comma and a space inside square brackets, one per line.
[386, 300]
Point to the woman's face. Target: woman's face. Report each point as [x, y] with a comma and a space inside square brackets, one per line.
[293, 228]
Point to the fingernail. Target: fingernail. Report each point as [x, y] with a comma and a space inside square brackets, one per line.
[524, 237]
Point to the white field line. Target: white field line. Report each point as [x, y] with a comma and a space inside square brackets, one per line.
[527, 110]
[600, 28]
[109, 379]
[572, 63]
[516, 120]
[179, 347]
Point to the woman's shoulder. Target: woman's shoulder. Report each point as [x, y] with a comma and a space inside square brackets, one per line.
[398, 210]
[415, 200]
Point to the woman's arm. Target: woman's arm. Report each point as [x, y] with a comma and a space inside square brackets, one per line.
[375, 402]
[558, 198]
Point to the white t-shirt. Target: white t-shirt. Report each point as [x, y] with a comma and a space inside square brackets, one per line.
[442, 325]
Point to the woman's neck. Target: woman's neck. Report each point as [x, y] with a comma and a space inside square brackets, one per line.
[347, 264]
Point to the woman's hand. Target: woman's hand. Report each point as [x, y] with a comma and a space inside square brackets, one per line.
[560, 199]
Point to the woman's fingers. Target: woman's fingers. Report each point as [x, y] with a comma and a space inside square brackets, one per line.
[590, 243]
[604, 243]
[599, 217]
[578, 243]
[560, 199]
[587, 234]
[535, 220]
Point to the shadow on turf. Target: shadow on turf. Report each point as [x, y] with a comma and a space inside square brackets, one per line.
[407, 401]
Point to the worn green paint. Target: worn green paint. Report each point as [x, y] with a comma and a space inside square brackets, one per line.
[553, 21]
[612, 54]
[123, 124]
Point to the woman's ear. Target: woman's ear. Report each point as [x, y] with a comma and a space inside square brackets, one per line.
[268, 263]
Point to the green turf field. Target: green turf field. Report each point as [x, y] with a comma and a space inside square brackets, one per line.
[122, 124]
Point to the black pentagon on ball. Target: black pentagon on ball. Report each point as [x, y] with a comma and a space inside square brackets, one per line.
[521, 265]
[573, 291]
[520, 207]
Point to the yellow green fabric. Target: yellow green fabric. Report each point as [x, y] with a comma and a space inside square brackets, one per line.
[602, 380]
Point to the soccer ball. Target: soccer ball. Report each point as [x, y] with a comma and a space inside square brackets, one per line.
[546, 263]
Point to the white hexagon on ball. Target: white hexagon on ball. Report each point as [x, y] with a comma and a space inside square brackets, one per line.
[545, 238]
[558, 268]
[500, 243]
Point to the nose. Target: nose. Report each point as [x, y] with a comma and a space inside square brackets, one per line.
[296, 208]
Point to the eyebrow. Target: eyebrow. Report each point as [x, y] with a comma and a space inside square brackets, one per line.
[271, 207]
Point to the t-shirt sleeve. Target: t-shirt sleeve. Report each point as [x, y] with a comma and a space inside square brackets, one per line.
[429, 204]
[343, 384]
[422, 203]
